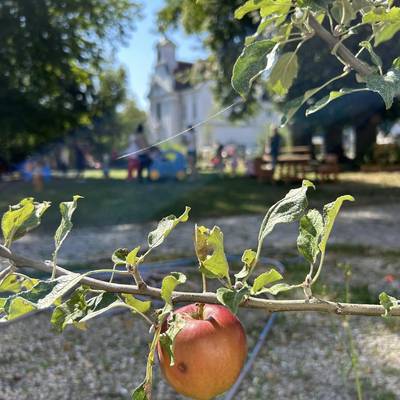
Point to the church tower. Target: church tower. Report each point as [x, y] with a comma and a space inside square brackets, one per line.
[166, 54]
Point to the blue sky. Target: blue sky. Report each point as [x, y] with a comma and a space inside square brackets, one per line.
[139, 56]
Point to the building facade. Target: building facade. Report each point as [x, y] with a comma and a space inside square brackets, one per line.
[176, 104]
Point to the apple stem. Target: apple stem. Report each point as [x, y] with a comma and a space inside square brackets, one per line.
[204, 283]
[201, 310]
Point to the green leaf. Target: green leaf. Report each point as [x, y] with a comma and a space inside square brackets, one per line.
[310, 231]
[287, 210]
[40, 296]
[248, 259]
[331, 211]
[17, 283]
[343, 12]
[388, 302]
[392, 15]
[291, 107]
[255, 59]
[165, 227]
[396, 63]
[388, 85]
[2, 302]
[71, 311]
[386, 24]
[132, 257]
[119, 256]
[232, 298]
[278, 288]
[140, 393]
[77, 309]
[265, 279]
[209, 245]
[107, 302]
[374, 57]
[67, 208]
[22, 218]
[169, 283]
[335, 94]
[167, 339]
[250, 6]
[138, 305]
[277, 7]
[283, 73]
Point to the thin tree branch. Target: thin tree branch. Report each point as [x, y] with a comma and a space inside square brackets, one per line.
[315, 305]
[342, 51]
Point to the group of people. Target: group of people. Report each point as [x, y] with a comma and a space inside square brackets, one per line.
[141, 155]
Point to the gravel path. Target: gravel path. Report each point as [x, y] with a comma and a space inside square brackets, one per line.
[107, 360]
[368, 226]
[305, 357]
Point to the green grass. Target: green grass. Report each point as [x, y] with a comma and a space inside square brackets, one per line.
[115, 201]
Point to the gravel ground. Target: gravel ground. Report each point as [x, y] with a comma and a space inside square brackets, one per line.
[368, 226]
[305, 357]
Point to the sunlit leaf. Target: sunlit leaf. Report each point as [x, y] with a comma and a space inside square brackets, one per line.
[278, 288]
[265, 279]
[388, 85]
[169, 283]
[255, 59]
[138, 305]
[310, 231]
[331, 211]
[248, 259]
[22, 218]
[132, 257]
[13, 283]
[335, 94]
[388, 302]
[283, 73]
[165, 227]
[67, 209]
[40, 296]
[209, 245]
[287, 210]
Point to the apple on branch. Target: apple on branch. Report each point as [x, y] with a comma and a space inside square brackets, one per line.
[209, 351]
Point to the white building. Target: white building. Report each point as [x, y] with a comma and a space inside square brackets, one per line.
[175, 104]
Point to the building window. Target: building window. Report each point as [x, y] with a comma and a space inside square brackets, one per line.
[158, 111]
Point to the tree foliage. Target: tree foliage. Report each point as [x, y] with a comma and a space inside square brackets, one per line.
[300, 73]
[51, 54]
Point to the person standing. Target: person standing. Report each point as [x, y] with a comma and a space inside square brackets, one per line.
[80, 160]
[145, 160]
[191, 150]
[133, 158]
[275, 146]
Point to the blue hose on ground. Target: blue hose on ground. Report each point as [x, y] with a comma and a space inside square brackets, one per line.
[249, 364]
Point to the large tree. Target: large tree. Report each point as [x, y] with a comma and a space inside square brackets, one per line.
[225, 36]
[116, 115]
[51, 54]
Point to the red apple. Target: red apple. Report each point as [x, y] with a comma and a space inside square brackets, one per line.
[209, 352]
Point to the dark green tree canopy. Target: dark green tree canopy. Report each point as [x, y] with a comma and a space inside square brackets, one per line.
[51, 52]
[279, 30]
